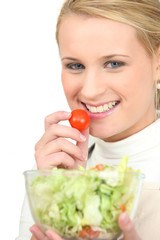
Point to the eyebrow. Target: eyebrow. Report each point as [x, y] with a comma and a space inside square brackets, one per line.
[104, 57]
[70, 58]
[115, 55]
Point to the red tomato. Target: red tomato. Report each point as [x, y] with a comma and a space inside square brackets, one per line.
[123, 208]
[80, 119]
[87, 232]
[99, 167]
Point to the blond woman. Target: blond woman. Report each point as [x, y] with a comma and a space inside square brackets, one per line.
[110, 54]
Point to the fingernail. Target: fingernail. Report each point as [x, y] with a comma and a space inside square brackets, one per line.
[32, 230]
[53, 236]
[67, 114]
[125, 218]
[84, 157]
[49, 235]
[82, 137]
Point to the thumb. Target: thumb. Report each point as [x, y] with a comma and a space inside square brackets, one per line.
[52, 235]
[84, 148]
[127, 227]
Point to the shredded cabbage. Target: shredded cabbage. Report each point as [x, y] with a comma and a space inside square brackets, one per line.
[89, 198]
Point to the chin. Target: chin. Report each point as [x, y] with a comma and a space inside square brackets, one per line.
[98, 134]
[106, 134]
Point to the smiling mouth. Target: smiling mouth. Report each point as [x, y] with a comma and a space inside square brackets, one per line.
[101, 108]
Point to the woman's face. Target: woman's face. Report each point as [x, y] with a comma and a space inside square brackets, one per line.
[107, 72]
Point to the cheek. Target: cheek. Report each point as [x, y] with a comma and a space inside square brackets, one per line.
[138, 84]
[64, 82]
[70, 87]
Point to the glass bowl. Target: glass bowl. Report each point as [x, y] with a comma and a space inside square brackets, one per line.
[84, 204]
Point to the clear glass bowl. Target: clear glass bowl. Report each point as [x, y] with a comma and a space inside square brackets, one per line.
[82, 204]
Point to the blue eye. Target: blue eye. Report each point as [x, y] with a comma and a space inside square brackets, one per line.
[114, 64]
[75, 66]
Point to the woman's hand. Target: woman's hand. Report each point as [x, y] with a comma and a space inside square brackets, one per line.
[127, 227]
[38, 235]
[125, 224]
[54, 150]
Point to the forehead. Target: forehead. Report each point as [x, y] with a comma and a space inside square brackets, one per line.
[78, 32]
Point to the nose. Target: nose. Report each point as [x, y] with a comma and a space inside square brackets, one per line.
[94, 84]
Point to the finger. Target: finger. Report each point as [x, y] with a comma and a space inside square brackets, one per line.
[59, 159]
[60, 145]
[83, 146]
[56, 117]
[127, 227]
[52, 235]
[37, 233]
[55, 131]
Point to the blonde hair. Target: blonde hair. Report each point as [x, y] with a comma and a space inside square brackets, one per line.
[143, 15]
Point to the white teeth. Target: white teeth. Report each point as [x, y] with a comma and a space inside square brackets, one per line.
[110, 105]
[106, 107]
[101, 108]
[93, 109]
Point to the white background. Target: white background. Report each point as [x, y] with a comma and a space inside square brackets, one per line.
[30, 89]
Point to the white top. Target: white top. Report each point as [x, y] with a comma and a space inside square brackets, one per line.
[143, 150]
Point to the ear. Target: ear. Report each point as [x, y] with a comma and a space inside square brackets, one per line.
[157, 64]
[158, 58]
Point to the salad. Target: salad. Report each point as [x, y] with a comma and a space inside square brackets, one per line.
[83, 203]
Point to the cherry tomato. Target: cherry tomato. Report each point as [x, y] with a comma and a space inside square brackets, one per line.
[99, 167]
[87, 232]
[80, 119]
[123, 208]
